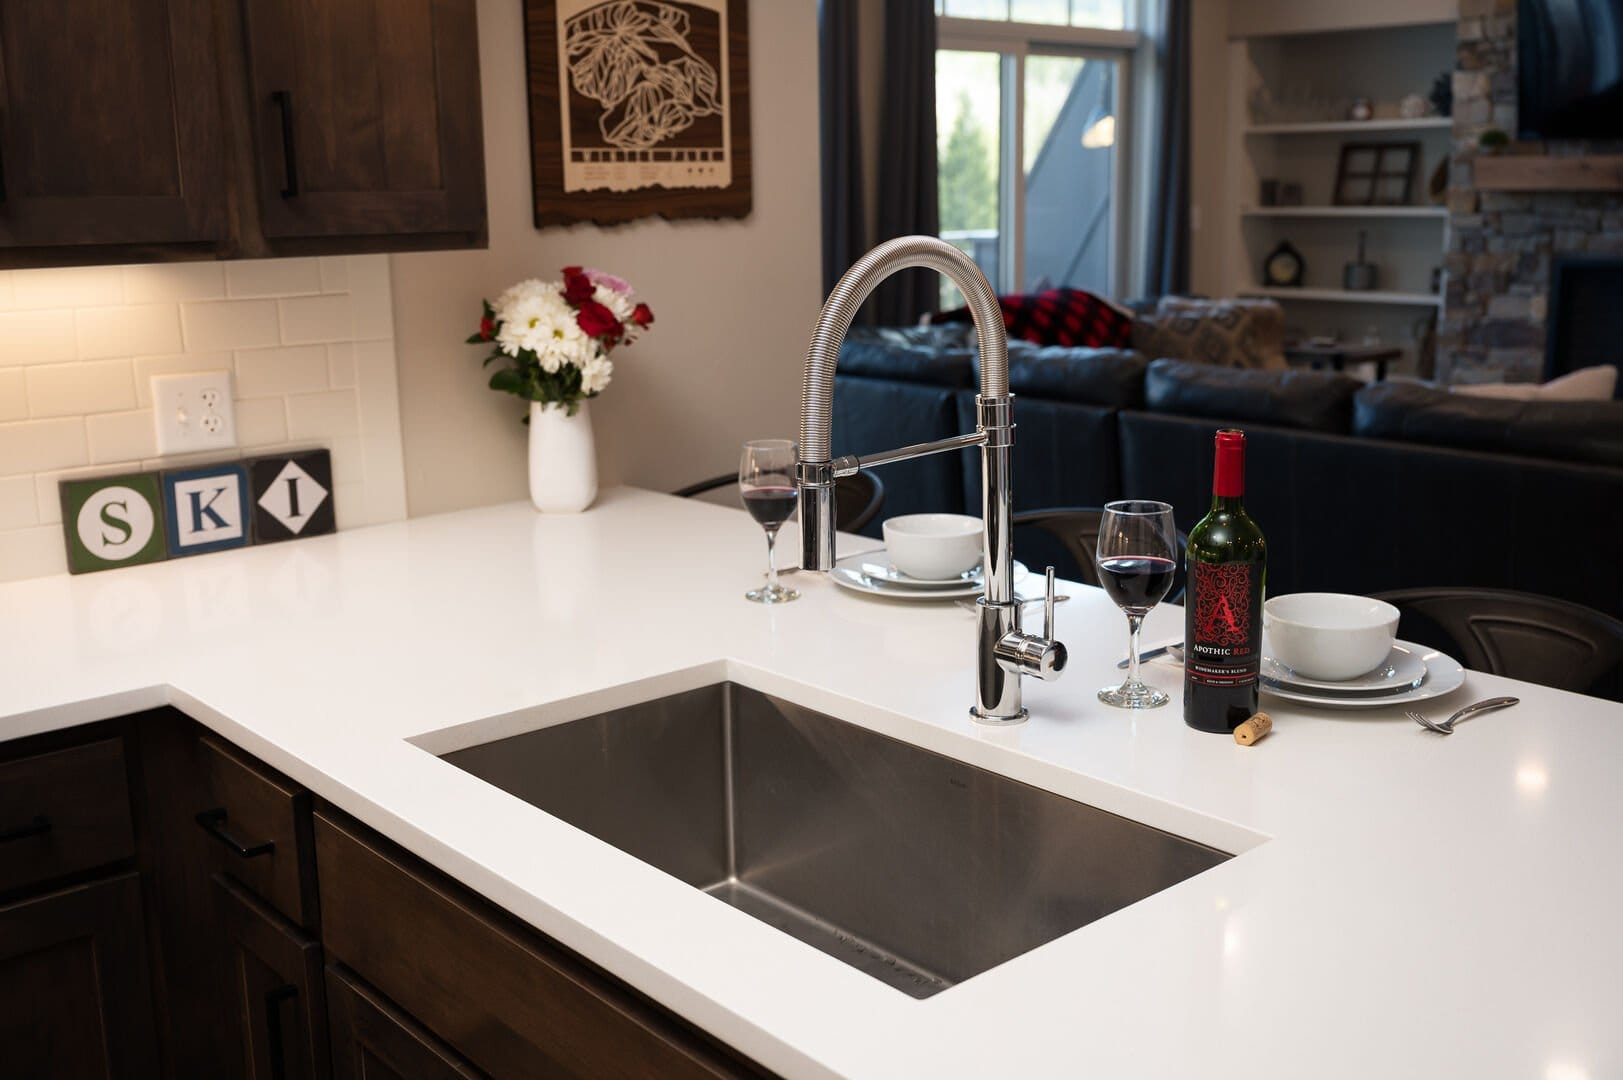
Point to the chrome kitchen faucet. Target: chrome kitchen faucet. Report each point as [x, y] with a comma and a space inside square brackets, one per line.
[1004, 651]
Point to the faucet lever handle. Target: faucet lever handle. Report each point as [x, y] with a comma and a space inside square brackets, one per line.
[1048, 607]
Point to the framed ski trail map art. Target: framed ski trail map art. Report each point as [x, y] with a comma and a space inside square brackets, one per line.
[637, 108]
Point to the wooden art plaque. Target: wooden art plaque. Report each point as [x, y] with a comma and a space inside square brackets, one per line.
[638, 107]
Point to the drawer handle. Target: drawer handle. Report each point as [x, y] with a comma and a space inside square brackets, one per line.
[273, 1028]
[290, 163]
[38, 827]
[213, 822]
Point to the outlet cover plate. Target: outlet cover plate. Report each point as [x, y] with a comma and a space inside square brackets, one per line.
[193, 412]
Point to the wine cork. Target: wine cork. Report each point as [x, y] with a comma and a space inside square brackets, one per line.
[1254, 729]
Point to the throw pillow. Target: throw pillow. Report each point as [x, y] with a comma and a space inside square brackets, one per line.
[1586, 384]
[1070, 317]
[1228, 333]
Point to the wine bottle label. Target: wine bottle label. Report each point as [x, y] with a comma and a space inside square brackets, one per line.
[1226, 649]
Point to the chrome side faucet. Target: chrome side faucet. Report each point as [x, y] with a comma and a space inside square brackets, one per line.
[1004, 651]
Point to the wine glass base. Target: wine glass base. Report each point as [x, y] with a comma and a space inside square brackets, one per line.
[772, 595]
[1128, 696]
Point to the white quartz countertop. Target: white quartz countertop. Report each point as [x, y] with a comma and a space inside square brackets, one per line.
[1402, 905]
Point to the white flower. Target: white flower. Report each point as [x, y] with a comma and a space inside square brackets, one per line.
[595, 374]
[620, 303]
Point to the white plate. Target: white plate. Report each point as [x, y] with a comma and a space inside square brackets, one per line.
[1401, 670]
[847, 574]
[1444, 675]
[876, 565]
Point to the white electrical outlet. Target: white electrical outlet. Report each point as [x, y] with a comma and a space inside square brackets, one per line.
[193, 412]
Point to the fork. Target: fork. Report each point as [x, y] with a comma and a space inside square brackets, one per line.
[1446, 727]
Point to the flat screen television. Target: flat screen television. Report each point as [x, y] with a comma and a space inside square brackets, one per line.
[1570, 69]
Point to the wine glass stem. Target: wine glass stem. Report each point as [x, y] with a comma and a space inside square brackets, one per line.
[771, 560]
[1134, 623]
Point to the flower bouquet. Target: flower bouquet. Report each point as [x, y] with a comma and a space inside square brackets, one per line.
[554, 337]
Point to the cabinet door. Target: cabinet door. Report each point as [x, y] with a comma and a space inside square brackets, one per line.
[366, 117]
[109, 124]
[372, 1040]
[275, 989]
[75, 1000]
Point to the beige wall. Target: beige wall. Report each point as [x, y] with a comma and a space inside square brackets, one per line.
[734, 301]
[1209, 141]
[1310, 16]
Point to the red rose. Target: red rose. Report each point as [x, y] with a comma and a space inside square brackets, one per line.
[578, 287]
[487, 328]
[642, 315]
[598, 321]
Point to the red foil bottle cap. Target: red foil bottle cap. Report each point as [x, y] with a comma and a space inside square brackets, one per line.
[1228, 472]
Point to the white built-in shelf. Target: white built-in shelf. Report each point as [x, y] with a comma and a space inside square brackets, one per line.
[1439, 213]
[1343, 296]
[1351, 127]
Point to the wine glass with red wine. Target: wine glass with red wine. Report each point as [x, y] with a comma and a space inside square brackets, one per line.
[1137, 558]
[766, 479]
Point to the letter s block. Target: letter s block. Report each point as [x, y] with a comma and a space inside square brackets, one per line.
[112, 521]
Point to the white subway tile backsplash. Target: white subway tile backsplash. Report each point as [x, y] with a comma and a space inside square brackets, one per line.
[33, 446]
[121, 436]
[79, 347]
[18, 507]
[76, 389]
[229, 324]
[36, 337]
[261, 421]
[272, 277]
[127, 331]
[70, 287]
[266, 372]
[317, 318]
[325, 416]
[174, 282]
[13, 395]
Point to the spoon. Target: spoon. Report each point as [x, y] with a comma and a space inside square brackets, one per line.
[1446, 727]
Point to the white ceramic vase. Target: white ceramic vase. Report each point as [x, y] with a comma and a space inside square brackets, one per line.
[563, 459]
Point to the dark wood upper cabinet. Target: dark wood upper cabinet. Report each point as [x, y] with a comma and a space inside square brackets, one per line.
[110, 130]
[365, 117]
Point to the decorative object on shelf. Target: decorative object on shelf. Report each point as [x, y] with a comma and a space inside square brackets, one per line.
[1437, 186]
[292, 495]
[1283, 266]
[1413, 107]
[1359, 275]
[1376, 174]
[206, 509]
[1290, 193]
[553, 339]
[638, 108]
[112, 521]
[1492, 141]
[1268, 192]
[1362, 108]
[1442, 93]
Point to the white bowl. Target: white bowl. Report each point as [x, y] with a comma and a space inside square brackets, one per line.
[1330, 636]
[933, 547]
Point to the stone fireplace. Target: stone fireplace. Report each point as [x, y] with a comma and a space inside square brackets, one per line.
[1502, 245]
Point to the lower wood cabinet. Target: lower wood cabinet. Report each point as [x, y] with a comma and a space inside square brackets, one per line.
[276, 992]
[373, 1040]
[75, 995]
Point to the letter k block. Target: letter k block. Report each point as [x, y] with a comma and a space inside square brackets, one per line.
[206, 508]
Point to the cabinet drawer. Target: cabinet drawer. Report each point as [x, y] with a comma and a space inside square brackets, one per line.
[261, 825]
[62, 813]
[372, 1040]
[507, 999]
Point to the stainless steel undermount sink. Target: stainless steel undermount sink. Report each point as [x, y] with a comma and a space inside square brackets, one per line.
[913, 867]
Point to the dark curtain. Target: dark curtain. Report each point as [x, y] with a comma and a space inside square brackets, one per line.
[907, 166]
[1167, 269]
[844, 234]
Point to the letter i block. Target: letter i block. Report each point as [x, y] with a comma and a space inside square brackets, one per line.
[206, 508]
[292, 495]
[112, 521]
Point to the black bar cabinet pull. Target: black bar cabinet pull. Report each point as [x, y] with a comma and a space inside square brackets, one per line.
[213, 822]
[290, 161]
[273, 1028]
[41, 824]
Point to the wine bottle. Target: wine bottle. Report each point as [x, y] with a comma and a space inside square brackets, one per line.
[1227, 564]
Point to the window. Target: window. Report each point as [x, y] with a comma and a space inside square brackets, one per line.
[1032, 106]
